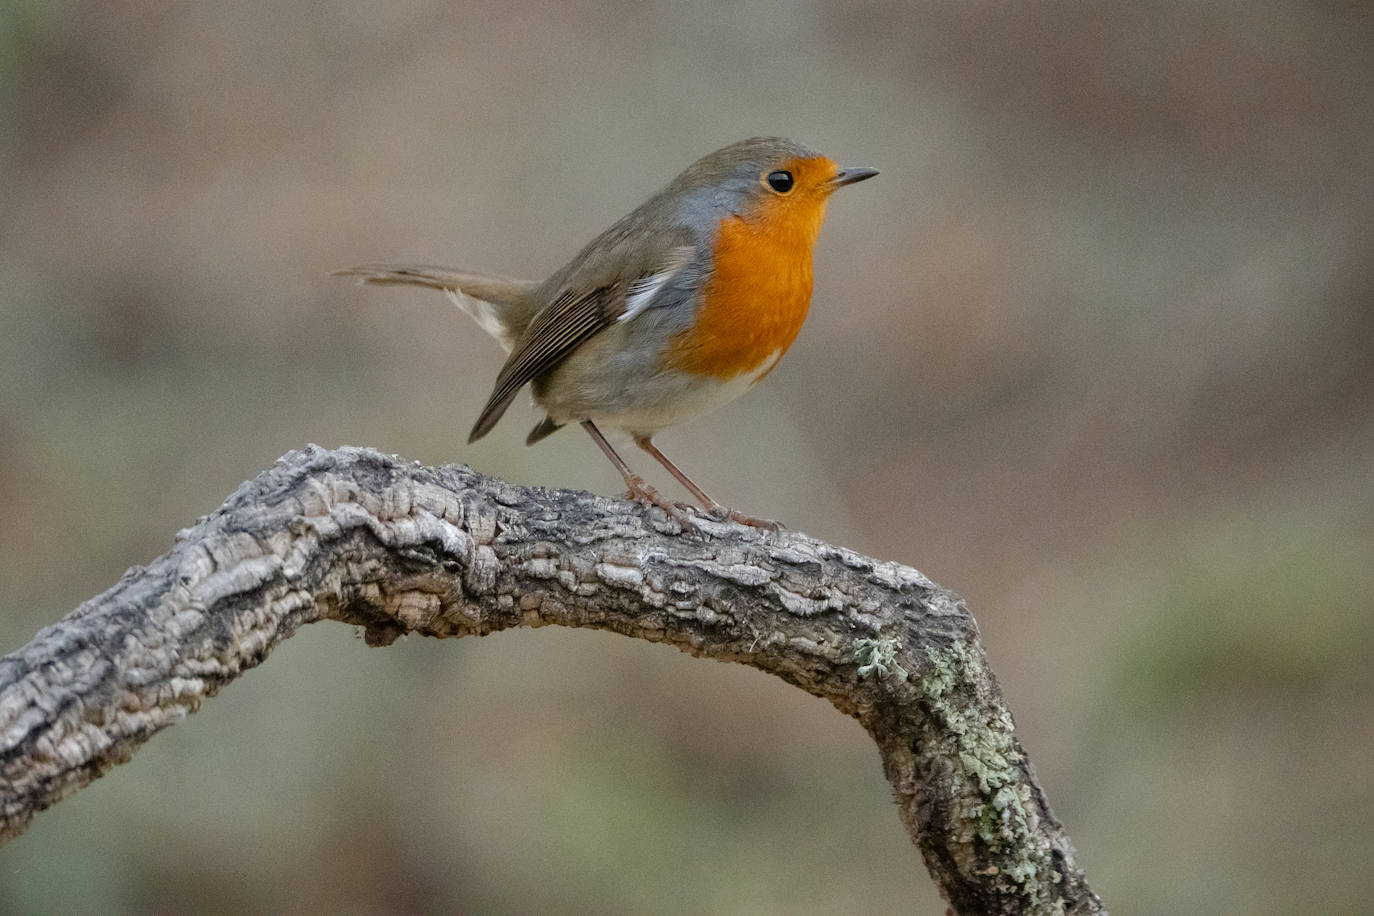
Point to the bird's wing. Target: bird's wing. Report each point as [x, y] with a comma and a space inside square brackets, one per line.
[571, 318]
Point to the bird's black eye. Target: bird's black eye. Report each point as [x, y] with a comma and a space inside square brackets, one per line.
[780, 181]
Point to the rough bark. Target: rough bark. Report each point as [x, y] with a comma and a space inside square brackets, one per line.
[365, 538]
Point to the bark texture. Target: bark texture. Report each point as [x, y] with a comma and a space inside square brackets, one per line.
[365, 538]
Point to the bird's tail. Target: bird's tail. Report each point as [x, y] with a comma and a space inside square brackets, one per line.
[501, 306]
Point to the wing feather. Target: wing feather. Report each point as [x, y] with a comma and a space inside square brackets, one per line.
[592, 299]
[551, 337]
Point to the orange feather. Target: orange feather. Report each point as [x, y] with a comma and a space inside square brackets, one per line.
[759, 289]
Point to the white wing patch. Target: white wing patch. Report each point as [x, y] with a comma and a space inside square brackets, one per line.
[643, 290]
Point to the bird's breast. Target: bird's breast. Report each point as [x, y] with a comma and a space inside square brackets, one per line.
[752, 305]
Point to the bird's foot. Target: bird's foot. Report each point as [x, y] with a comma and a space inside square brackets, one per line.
[725, 513]
[685, 513]
[641, 492]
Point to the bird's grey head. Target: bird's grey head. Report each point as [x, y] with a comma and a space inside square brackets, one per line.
[731, 179]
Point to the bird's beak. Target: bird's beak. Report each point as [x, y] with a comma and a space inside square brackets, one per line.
[849, 176]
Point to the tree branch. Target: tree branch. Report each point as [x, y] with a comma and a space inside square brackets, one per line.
[361, 537]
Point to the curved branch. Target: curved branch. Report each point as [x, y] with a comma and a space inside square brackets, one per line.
[365, 538]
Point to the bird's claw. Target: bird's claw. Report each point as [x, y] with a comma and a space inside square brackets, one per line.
[685, 513]
[641, 492]
[724, 513]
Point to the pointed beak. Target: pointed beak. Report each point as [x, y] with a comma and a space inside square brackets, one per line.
[850, 176]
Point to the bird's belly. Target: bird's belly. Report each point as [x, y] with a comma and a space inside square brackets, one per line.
[638, 398]
[677, 398]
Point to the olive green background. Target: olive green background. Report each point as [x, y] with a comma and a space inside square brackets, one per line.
[1095, 350]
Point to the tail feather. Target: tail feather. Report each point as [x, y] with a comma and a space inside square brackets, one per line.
[501, 306]
[545, 427]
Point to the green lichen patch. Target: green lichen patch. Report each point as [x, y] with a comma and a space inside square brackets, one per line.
[879, 656]
[1001, 814]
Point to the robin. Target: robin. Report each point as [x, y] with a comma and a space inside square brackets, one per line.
[677, 309]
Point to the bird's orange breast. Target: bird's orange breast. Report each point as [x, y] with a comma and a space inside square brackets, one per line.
[757, 294]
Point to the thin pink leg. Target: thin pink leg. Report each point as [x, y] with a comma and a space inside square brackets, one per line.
[638, 488]
[711, 505]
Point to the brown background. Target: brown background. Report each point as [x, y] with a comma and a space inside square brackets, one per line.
[1096, 350]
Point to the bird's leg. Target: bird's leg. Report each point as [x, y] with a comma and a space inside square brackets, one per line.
[711, 505]
[639, 490]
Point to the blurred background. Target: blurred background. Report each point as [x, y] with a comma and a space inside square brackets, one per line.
[1096, 350]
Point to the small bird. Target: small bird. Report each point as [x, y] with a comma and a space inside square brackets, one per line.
[677, 309]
